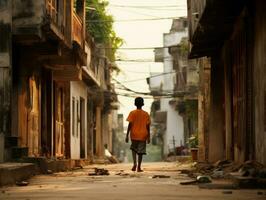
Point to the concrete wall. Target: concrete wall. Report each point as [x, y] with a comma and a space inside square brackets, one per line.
[260, 81]
[174, 126]
[5, 69]
[174, 123]
[28, 13]
[78, 89]
[170, 39]
[155, 83]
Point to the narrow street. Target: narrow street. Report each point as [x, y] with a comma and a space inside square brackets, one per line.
[121, 184]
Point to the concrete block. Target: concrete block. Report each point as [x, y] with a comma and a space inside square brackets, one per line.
[10, 173]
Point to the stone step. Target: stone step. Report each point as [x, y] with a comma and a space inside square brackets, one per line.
[10, 173]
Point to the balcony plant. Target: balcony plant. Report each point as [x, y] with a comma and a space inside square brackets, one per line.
[193, 145]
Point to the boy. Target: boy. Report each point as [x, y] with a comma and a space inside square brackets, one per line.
[139, 129]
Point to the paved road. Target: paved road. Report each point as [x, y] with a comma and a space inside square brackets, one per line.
[129, 185]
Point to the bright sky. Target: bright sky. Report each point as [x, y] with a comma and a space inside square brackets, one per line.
[141, 34]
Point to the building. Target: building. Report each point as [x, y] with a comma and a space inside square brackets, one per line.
[228, 38]
[54, 82]
[173, 89]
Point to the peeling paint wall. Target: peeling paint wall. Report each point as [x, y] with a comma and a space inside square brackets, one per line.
[27, 14]
[5, 70]
[5, 66]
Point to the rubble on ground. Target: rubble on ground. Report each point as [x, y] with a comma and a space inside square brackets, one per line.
[160, 176]
[250, 174]
[198, 180]
[22, 183]
[122, 173]
[99, 172]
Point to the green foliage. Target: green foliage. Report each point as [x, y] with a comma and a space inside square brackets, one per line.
[188, 107]
[183, 47]
[193, 141]
[192, 108]
[100, 26]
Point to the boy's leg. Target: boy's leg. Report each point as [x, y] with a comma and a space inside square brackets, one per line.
[139, 162]
[134, 156]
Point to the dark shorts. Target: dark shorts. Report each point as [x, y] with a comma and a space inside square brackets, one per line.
[138, 146]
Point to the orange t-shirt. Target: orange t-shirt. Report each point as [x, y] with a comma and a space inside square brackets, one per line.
[139, 120]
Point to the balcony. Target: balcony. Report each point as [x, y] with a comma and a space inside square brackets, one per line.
[90, 72]
[195, 10]
[77, 29]
[210, 23]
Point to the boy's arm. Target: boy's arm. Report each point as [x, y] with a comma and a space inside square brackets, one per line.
[128, 130]
[149, 135]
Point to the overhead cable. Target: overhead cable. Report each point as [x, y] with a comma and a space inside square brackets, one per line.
[132, 20]
[146, 6]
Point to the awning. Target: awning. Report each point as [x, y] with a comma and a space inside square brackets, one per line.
[215, 25]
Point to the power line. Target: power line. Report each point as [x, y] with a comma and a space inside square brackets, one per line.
[133, 93]
[157, 75]
[130, 90]
[119, 60]
[152, 9]
[162, 94]
[135, 72]
[146, 6]
[138, 48]
[136, 12]
[132, 20]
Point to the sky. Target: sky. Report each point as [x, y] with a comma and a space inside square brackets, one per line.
[132, 25]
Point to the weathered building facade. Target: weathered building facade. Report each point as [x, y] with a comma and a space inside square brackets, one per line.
[233, 78]
[174, 89]
[49, 104]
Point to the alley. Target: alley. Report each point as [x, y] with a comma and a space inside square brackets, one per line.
[121, 184]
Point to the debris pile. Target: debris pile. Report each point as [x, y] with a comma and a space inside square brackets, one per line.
[160, 176]
[99, 172]
[22, 183]
[250, 174]
[122, 173]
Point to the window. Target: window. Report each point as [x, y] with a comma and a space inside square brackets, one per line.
[73, 116]
[77, 119]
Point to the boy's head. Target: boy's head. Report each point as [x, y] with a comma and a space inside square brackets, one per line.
[139, 102]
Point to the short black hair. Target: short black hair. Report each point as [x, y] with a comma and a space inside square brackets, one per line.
[139, 101]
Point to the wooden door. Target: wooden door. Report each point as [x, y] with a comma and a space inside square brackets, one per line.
[59, 121]
[33, 118]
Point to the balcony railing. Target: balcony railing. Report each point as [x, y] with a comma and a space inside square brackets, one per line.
[77, 29]
[51, 6]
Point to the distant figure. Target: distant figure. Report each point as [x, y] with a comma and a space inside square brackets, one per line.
[139, 129]
[109, 156]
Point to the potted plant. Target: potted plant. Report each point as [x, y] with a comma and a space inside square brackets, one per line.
[193, 145]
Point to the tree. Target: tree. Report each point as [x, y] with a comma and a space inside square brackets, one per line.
[100, 26]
